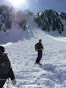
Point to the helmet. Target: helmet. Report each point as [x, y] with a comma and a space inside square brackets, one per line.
[2, 49]
[40, 41]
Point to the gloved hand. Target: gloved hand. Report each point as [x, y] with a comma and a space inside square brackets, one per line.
[13, 81]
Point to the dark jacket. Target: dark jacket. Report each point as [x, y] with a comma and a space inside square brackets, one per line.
[40, 46]
[10, 73]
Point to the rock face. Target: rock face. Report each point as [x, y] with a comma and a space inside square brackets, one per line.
[50, 20]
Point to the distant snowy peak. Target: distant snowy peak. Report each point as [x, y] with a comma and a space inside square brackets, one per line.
[50, 20]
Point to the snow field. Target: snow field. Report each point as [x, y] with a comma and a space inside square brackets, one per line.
[23, 55]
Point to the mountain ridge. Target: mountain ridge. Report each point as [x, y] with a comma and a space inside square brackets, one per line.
[50, 20]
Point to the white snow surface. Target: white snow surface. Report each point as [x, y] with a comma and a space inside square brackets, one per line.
[19, 45]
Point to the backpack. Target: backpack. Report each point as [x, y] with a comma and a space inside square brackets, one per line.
[37, 46]
[4, 64]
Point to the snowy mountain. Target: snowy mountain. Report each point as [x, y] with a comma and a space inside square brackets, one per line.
[19, 45]
[10, 15]
[50, 20]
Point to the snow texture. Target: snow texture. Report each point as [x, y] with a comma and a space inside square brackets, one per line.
[20, 44]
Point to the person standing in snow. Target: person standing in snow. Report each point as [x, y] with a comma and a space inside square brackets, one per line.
[5, 72]
[39, 48]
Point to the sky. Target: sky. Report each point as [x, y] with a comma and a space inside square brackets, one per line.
[37, 5]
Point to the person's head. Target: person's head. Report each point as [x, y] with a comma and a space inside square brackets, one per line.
[2, 50]
[40, 41]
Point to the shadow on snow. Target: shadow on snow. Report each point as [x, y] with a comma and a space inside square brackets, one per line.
[55, 74]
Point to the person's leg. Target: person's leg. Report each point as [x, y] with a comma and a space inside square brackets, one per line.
[40, 55]
[38, 59]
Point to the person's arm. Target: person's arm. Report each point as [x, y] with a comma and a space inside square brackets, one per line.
[42, 47]
[11, 74]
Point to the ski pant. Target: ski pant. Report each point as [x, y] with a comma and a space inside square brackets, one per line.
[2, 82]
[38, 60]
[39, 56]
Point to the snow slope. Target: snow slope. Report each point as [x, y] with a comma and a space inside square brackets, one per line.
[19, 45]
